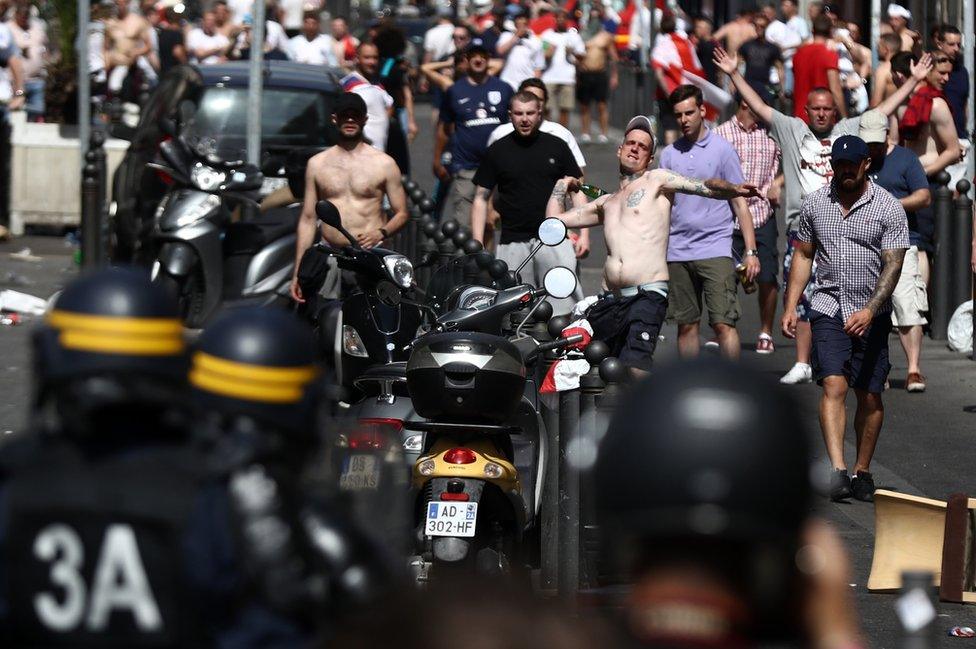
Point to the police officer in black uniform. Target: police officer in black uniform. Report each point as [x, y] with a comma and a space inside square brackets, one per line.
[255, 384]
[94, 502]
[704, 495]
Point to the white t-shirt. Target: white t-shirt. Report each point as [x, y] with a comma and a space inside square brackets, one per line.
[523, 59]
[275, 37]
[439, 41]
[198, 39]
[552, 128]
[378, 102]
[320, 51]
[780, 35]
[8, 48]
[239, 9]
[560, 70]
[799, 27]
[292, 13]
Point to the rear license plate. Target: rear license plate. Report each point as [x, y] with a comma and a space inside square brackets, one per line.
[359, 472]
[451, 518]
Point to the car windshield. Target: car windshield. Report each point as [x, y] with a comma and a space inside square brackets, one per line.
[289, 118]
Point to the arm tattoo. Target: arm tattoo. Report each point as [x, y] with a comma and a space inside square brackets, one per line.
[890, 272]
[559, 191]
[711, 188]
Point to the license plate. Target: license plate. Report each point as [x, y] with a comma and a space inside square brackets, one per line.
[451, 518]
[359, 472]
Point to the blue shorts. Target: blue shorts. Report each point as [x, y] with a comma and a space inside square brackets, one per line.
[862, 361]
[629, 326]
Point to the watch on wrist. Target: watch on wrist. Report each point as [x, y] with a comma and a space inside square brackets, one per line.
[384, 233]
[752, 252]
[19, 93]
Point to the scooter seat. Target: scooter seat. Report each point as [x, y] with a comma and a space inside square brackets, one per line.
[248, 237]
[396, 371]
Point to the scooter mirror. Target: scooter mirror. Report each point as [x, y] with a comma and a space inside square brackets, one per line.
[559, 282]
[328, 213]
[552, 232]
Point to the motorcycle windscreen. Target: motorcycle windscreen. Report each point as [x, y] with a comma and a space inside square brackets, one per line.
[372, 477]
[464, 271]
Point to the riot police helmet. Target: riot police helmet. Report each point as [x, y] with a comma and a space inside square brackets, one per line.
[258, 364]
[111, 338]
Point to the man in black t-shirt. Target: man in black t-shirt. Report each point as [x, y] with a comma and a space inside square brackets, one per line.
[760, 56]
[522, 168]
[169, 34]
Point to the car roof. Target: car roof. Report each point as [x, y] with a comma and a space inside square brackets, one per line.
[278, 74]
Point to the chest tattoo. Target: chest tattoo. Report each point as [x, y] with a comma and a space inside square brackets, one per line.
[635, 198]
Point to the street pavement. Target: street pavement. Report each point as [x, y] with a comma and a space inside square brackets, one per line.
[925, 448]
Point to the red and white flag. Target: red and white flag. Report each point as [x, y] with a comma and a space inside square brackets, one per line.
[565, 373]
[675, 56]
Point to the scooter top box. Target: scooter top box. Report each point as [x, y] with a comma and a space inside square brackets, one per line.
[460, 376]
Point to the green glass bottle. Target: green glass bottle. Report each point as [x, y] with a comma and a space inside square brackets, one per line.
[592, 191]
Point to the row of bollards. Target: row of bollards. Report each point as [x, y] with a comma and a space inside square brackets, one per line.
[94, 179]
[952, 281]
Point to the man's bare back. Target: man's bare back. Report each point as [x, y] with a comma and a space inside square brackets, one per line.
[597, 53]
[355, 181]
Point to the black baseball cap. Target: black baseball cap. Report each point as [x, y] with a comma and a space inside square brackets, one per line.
[477, 46]
[349, 102]
[850, 148]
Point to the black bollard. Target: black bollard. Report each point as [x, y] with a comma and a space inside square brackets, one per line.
[962, 240]
[942, 292]
[90, 209]
[568, 572]
[101, 165]
[549, 525]
[613, 372]
[592, 428]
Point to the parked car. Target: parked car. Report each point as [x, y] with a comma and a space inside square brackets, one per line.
[296, 112]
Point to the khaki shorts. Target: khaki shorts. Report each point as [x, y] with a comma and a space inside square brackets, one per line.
[689, 280]
[909, 301]
[461, 196]
[562, 96]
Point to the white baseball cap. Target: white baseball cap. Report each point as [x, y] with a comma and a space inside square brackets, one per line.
[873, 127]
[898, 11]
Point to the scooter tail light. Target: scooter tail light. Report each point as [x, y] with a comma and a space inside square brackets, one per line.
[460, 456]
[374, 432]
[459, 497]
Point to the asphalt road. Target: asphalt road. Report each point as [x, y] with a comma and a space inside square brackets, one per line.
[926, 446]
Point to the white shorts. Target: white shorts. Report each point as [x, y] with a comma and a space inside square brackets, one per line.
[909, 301]
[957, 171]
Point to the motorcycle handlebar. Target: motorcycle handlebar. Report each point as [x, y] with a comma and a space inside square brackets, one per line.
[560, 343]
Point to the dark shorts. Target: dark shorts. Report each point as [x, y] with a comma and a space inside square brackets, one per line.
[766, 243]
[629, 326]
[714, 278]
[592, 86]
[862, 361]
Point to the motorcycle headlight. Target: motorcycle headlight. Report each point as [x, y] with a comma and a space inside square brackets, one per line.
[400, 269]
[352, 344]
[198, 210]
[206, 178]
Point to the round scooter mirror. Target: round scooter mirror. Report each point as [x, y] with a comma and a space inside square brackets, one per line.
[559, 282]
[552, 232]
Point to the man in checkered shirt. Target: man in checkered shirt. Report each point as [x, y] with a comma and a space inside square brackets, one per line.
[760, 156]
[859, 233]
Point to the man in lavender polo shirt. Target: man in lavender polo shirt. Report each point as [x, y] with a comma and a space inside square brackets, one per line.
[700, 246]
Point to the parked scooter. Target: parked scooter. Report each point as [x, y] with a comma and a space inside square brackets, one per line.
[480, 474]
[206, 255]
[373, 325]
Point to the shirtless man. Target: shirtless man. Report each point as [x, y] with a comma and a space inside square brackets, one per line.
[888, 46]
[127, 37]
[223, 23]
[597, 74]
[354, 176]
[637, 222]
[737, 32]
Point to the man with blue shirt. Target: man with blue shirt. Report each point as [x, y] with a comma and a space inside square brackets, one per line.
[471, 108]
[700, 244]
[899, 171]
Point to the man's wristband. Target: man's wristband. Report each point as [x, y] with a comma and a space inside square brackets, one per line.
[752, 252]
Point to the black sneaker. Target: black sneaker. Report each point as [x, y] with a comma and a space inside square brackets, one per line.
[840, 485]
[862, 487]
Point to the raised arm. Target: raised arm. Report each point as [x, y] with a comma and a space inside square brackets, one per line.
[919, 70]
[581, 216]
[833, 82]
[729, 65]
[674, 183]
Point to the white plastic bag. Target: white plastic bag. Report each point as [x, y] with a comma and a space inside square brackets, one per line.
[22, 302]
[961, 328]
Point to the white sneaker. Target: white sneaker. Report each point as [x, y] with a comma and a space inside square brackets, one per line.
[602, 139]
[799, 373]
[585, 138]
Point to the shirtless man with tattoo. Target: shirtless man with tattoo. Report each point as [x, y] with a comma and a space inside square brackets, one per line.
[637, 222]
[127, 37]
[355, 176]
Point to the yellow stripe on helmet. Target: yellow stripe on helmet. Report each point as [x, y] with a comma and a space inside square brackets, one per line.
[251, 382]
[118, 335]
